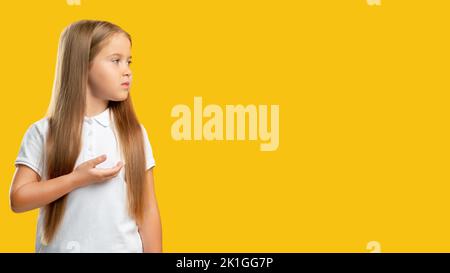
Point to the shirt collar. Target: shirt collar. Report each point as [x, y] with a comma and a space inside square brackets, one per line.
[103, 118]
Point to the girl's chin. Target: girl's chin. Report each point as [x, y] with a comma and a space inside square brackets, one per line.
[121, 97]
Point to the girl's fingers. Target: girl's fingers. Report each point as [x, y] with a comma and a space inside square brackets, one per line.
[118, 166]
[94, 162]
[111, 172]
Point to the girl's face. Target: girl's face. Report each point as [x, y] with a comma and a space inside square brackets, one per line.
[109, 75]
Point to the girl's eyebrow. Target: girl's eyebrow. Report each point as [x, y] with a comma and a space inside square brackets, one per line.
[120, 55]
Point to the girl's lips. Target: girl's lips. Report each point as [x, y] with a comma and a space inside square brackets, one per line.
[125, 84]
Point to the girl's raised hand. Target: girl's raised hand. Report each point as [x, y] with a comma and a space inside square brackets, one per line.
[86, 173]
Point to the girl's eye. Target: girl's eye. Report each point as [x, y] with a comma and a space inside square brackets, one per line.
[116, 61]
[129, 62]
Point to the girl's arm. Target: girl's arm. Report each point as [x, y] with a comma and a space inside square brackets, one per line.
[27, 192]
[150, 227]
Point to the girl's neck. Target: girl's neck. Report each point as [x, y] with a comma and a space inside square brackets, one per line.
[95, 106]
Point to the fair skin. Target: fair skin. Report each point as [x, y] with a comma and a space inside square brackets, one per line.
[107, 71]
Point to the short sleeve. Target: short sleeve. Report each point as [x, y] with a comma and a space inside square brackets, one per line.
[149, 159]
[31, 152]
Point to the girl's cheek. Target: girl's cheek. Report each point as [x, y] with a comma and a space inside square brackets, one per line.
[106, 74]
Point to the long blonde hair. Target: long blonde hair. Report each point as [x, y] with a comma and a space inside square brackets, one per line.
[79, 43]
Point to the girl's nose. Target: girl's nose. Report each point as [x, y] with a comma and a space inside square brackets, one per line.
[127, 73]
[126, 70]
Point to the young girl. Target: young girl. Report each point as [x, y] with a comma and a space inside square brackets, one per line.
[88, 164]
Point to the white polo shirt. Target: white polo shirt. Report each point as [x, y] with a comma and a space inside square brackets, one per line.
[96, 218]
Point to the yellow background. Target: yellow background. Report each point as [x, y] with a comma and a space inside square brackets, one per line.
[363, 94]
